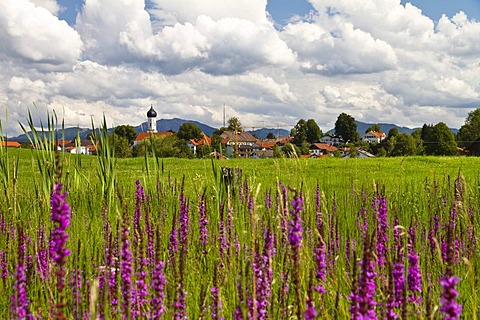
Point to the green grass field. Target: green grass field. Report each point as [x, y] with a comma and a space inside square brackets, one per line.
[125, 237]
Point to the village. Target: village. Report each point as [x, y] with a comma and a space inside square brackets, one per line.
[305, 141]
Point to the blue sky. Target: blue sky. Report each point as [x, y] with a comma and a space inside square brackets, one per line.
[282, 10]
[377, 60]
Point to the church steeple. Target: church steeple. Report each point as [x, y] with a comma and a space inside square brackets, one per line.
[152, 120]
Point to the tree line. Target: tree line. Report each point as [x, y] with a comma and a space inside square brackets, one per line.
[431, 139]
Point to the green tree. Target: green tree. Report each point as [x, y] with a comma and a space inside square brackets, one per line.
[314, 133]
[234, 124]
[375, 127]
[126, 131]
[470, 131]
[163, 147]
[217, 141]
[393, 132]
[346, 127]
[438, 140]
[290, 150]
[299, 132]
[404, 145]
[306, 131]
[204, 151]
[271, 135]
[417, 137]
[189, 131]
[121, 146]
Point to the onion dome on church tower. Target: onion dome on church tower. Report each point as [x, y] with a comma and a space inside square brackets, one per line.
[152, 120]
[151, 113]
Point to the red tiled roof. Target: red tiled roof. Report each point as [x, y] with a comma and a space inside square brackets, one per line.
[324, 146]
[378, 134]
[13, 144]
[143, 135]
[243, 136]
[206, 140]
[267, 144]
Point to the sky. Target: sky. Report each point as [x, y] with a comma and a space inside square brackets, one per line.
[269, 63]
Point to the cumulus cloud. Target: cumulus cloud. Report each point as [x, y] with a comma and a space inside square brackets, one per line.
[341, 50]
[33, 34]
[379, 61]
[189, 10]
[218, 45]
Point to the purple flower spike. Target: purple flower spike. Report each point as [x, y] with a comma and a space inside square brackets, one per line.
[61, 216]
[58, 238]
[449, 306]
[19, 299]
[295, 233]
[158, 286]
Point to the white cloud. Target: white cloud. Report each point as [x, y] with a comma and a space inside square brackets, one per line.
[50, 5]
[33, 34]
[378, 61]
[225, 45]
[342, 50]
[189, 10]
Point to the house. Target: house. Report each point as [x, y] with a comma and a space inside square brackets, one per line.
[80, 147]
[374, 137]
[194, 143]
[144, 135]
[331, 139]
[241, 144]
[318, 149]
[11, 144]
[267, 144]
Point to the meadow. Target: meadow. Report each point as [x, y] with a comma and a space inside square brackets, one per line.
[96, 237]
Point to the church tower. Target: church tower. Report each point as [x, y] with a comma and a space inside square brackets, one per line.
[152, 120]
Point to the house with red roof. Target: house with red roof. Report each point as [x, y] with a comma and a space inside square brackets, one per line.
[204, 141]
[241, 144]
[320, 149]
[11, 144]
[144, 135]
[374, 137]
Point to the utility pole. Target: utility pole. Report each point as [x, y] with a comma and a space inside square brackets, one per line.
[224, 115]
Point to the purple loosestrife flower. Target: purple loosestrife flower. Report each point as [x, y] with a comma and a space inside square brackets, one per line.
[158, 286]
[295, 233]
[141, 291]
[137, 216]
[398, 283]
[42, 256]
[382, 229]
[295, 236]
[449, 306]
[367, 287]
[184, 221]
[284, 215]
[268, 201]
[414, 277]
[320, 260]
[237, 314]
[4, 266]
[61, 216]
[216, 304]
[179, 305]
[19, 298]
[203, 226]
[310, 312]
[126, 269]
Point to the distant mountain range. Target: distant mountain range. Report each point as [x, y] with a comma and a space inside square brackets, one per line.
[174, 125]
